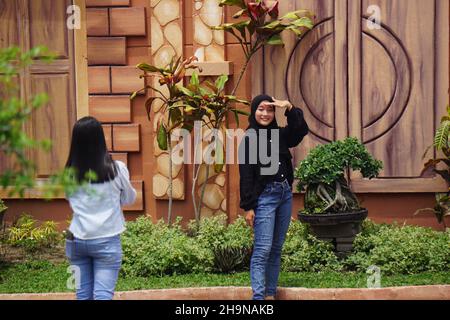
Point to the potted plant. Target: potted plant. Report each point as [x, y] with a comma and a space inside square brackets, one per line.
[331, 208]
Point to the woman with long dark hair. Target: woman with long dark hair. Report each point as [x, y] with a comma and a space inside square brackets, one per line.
[266, 186]
[93, 243]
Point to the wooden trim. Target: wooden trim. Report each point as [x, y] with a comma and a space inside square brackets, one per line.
[400, 185]
[340, 69]
[420, 185]
[81, 74]
[213, 68]
[33, 193]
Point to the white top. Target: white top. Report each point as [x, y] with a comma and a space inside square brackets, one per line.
[97, 211]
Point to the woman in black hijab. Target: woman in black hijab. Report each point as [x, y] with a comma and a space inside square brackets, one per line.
[266, 178]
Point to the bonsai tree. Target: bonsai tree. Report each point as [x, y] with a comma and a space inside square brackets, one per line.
[322, 175]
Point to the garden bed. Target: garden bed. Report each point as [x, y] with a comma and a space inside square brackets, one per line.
[176, 263]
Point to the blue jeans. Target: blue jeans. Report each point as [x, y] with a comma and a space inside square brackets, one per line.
[272, 219]
[96, 265]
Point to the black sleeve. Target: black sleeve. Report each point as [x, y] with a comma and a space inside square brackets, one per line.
[248, 199]
[296, 128]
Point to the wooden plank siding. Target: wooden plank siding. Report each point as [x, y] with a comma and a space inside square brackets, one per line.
[388, 87]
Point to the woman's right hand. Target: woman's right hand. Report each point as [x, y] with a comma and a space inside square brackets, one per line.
[250, 217]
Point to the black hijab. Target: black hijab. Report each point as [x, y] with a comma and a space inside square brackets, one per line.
[283, 151]
[252, 119]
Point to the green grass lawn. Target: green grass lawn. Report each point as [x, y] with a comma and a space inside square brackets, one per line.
[43, 276]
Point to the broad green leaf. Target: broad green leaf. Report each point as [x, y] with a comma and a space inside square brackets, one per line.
[189, 108]
[204, 92]
[441, 137]
[239, 13]
[303, 22]
[223, 26]
[162, 137]
[219, 156]
[185, 91]
[271, 25]
[220, 82]
[147, 67]
[275, 40]
[241, 26]
[194, 79]
[296, 14]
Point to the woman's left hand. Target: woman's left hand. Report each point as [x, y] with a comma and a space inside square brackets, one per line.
[281, 103]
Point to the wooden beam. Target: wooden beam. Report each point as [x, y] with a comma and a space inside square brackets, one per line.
[81, 74]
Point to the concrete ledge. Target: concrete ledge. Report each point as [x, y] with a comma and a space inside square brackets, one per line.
[434, 292]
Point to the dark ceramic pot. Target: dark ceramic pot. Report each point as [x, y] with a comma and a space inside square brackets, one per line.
[337, 228]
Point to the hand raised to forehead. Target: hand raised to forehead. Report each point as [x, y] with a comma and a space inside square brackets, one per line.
[281, 103]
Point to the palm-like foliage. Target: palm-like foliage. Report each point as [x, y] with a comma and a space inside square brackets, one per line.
[441, 143]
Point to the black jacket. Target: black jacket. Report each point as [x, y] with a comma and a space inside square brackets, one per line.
[252, 183]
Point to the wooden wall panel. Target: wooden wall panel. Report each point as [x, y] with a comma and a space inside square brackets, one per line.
[9, 34]
[48, 25]
[379, 85]
[398, 99]
[53, 121]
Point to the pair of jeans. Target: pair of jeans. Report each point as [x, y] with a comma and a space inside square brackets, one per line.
[95, 264]
[271, 223]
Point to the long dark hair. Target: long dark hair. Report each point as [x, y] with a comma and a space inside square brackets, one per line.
[88, 151]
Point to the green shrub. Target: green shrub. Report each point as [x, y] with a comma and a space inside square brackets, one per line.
[230, 244]
[157, 249]
[400, 250]
[26, 233]
[302, 252]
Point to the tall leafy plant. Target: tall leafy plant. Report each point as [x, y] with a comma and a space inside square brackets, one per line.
[209, 102]
[172, 104]
[441, 143]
